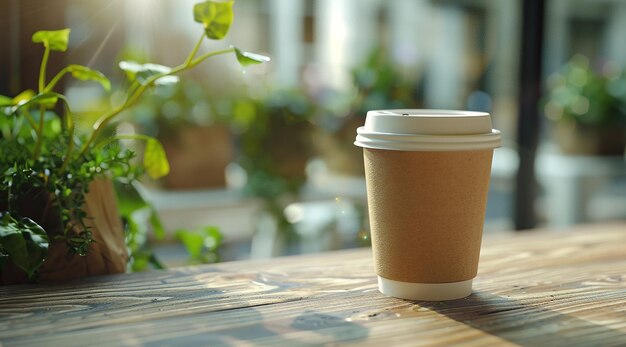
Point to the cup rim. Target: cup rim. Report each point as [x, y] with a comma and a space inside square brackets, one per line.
[433, 113]
[418, 142]
[427, 130]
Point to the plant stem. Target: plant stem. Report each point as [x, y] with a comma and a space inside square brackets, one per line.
[56, 79]
[101, 123]
[195, 50]
[9, 197]
[42, 69]
[39, 132]
[42, 110]
[29, 118]
[133, 87]
[209, 55]
[70, 136]
[123, 137]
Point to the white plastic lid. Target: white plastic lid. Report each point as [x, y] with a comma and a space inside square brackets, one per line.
[427, 130]
[425, 291]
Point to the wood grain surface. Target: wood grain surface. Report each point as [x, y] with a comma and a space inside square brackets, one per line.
[565, 288]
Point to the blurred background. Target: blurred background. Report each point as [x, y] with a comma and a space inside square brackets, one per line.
[262, 157]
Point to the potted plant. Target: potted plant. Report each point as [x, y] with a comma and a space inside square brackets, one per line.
[275, 134]
[58, 213]
[587, 108]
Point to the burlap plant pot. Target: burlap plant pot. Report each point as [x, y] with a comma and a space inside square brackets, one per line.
[106, 255]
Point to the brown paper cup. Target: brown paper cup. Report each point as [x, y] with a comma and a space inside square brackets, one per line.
[426, 213]
[427, 175]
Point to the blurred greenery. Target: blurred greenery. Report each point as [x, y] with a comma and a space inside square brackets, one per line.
[139, 218]
[381, 85]
[274, 148]
[201, 244]
[581, 94]
[170, 108]
[377, 83]
[275, 139]
[588, 107]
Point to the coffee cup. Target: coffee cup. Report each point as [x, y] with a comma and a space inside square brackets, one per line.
[427, 175]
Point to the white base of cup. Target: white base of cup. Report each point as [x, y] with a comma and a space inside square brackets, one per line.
[425, 291]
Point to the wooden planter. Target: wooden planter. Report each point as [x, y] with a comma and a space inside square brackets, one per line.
[577, 139]
[107, 255]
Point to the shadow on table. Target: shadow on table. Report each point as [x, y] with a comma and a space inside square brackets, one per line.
[526, 324]
[334, 326]
[250, 327]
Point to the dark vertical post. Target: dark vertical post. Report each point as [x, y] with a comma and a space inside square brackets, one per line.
[528, 117]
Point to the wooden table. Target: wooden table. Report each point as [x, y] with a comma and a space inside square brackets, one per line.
[564, 288]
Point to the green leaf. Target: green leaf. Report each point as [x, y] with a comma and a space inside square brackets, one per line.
[84, 73]
[157, 226]
[166, 80]
[56, 40]
[154, 261]
[24, 241]
[200, 243]
[192, 241]
[143, 73]
[48, 100]
[130, 68]
[215, 16]
[140, 261]
[5, 101]
[247, 58]
[129, 198]
[149, 70]
[213, 238]
[155, 160]
[24, 97]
